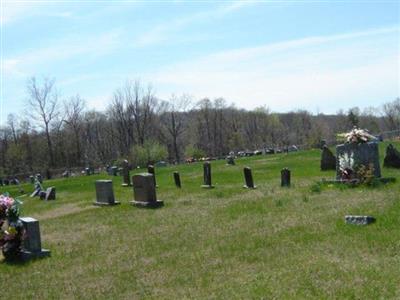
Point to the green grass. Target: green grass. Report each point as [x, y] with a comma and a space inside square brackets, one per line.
[227, 242]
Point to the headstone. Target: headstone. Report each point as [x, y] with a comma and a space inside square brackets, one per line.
[285, 177]
[108, 170]
[328, 160]
[87, 171]
[359, 220]
[248, 177]
[125, 173]
[66, 174]
[177, 179]
[392, 158]
[230, 160]
[35, 193]
[48, 174]
[104, 193]
[207, 176]
[32, 245]
[39, 177]
[42, 195]
[32, 179]
[6, 182]
[144, 191]
[161, 163]
[352, 156]
[114, 171]
[151, 170]
[50, 193]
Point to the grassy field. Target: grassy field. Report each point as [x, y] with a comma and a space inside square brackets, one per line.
[222, 243]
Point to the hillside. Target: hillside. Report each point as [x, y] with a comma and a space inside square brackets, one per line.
[226, 242]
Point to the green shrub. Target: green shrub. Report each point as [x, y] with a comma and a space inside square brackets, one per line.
[148, 153]
[192, 151]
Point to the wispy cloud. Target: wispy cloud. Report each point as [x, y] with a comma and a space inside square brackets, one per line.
[306, 72]
[63, 50]
[163, 32]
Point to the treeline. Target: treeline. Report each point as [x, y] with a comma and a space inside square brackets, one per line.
[56, 133]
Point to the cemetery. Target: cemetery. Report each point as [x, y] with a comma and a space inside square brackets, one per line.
[285, 235]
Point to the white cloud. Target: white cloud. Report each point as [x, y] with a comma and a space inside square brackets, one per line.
[165, 31]
[62, 50]
[325, 72]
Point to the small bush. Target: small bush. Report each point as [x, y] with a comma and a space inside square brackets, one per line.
[148, 153]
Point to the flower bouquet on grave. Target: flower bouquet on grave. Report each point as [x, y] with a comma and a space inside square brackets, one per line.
[11, 228]
[346, 166]
[357, 136]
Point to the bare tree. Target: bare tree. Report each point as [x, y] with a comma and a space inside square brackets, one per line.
[391, 111]
[11, 122]
[173, 119]
[74, 120]
[43, 107]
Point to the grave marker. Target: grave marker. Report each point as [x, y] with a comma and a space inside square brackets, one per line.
[285, 177]
[328, 160]
[207, 176]
[177, 179]
[144, 191]
[105, 193]
[151, 170]
[32, 245]
[248, 177]
[230, 160]
[125, 174]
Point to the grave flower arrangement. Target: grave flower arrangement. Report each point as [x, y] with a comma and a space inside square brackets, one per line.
[357, 136]
[11, 228]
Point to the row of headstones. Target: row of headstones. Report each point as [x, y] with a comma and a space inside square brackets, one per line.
[144, 186]
[207, 183]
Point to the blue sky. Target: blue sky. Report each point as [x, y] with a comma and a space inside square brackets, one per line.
[285, 55]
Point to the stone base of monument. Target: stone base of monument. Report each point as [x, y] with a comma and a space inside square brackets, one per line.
[206, 186]
[26, 255]
[248, 187]
[148, 204]
[106, 203]
[383, 180]
[359, 220]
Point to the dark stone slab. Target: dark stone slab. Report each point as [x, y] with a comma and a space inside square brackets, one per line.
[42, 195]
[152, 170]
[105, 193]
[35, 193]
[207, 176]
[32, 246]
[114, 171]
[39, 178]
[248, 177]
[285, 177]
[363, 154]
[144, 191]
[328, 160]
[230, 160]
[50, 193]
[125, 174]
[359, 220]
[177, 179]
[392, 158]
[88, 172]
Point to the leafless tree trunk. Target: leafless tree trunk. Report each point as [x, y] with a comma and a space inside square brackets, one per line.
[43, 107]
